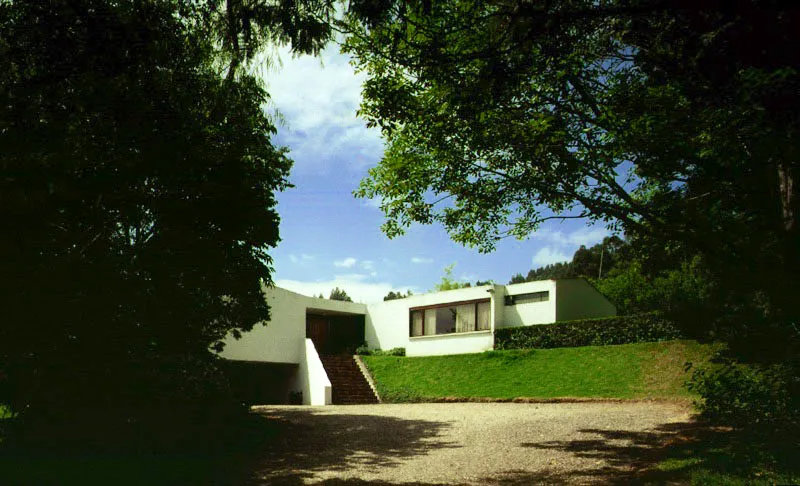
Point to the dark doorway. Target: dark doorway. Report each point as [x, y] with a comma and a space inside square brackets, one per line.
[335, 333]
[259, 383]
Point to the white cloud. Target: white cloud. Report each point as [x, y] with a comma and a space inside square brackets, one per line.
[354, 284]
[346, 263]
[319, 100]
[421, 260]
[588, 236]
[302, 259]
[548, 255]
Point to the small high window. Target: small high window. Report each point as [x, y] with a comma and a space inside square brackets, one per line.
[527, 298]
[450, 318]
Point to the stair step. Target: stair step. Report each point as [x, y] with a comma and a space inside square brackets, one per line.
[348, 383]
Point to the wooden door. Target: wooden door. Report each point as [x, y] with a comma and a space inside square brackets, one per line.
[318, 330]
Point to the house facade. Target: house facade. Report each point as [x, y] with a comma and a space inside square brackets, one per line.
[452, 322]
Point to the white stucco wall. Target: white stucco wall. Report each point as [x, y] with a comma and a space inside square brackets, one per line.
[387, 325]
[279, 341]
[282, 340]
[455, 343]
[311, 379]
[578, 299]
[530, 313]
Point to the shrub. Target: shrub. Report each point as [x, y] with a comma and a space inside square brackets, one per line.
[365, 351]
[751, 396]
[589, 332]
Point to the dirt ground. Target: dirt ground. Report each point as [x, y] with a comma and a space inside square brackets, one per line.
[468, 443]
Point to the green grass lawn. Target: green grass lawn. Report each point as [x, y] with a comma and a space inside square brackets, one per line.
[629, 371]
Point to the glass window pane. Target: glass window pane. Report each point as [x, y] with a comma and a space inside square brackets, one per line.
[465, 318]
[430, 322]
[484, 316]
[445, 320]
[416, 323]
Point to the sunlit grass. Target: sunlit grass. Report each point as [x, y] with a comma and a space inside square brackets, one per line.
[629, 371]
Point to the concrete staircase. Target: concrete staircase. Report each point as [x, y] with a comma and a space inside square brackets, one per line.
[349, 385]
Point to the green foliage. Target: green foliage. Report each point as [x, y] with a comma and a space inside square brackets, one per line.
[364, 350]
[392, 295]
[339, 294]
[390, 352]
[593, 262]
[551, 271]
[674, 291]
[589, 332]
[448, 282]
[138, 209]
[625, 371]
[673, 124]
[765, 398]
[731, 458]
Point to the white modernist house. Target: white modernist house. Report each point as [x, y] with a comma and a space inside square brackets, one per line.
[451, 322]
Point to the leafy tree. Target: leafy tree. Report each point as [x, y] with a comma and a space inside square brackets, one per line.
[138, 209]
[340, 294]
[590, 262]
[392, 295]
[675, 121]
[676, 291]
[448, 282]
[552, 271]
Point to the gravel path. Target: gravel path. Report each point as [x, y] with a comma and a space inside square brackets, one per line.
[467, 443]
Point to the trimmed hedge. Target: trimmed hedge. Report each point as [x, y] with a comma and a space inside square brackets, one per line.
[364, 350]
[589, 332]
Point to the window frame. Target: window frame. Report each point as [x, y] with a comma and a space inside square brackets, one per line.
[423, 308]
[528, 298]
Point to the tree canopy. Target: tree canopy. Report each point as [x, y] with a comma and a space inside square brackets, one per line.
[392, 295]
[669, 119]
[448, 282]
[138, 206]
[339, 294]
[593, 262]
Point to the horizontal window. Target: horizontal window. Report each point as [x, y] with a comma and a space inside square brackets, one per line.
[450, 318]
[527, 298]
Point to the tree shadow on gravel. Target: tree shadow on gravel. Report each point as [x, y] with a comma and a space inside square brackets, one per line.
[283, 446]
[678, 453]
[308, 441]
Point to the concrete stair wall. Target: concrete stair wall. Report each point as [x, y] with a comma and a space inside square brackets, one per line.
[348, 383]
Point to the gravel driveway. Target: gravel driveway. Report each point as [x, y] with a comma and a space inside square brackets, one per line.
[467, 443]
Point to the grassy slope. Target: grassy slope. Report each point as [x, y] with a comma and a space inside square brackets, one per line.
[643, 370]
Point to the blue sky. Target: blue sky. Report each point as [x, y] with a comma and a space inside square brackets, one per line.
[331, 239]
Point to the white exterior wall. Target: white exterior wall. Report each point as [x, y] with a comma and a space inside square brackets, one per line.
[455, 343]
[531, 313]
[282, 340]
[578, 299]
[279, 341]
[311, 379]
[387, 325]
